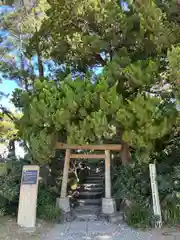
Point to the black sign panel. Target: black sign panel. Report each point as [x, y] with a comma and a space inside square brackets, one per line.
[29, 177]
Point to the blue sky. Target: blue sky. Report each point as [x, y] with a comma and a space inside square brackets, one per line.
[7, 87]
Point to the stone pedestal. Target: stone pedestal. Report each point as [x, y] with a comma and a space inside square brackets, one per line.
[63, 204]
[108, 206]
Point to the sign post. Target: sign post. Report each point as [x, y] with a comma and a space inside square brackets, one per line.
[155, 196]
[28, 196]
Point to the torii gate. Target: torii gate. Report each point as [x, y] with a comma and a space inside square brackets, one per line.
[108, 203]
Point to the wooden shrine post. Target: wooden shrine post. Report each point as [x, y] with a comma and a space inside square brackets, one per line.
[63, 202]
[65, 174]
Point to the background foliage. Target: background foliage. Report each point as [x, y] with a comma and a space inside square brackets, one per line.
[9, 192]
[132, 184]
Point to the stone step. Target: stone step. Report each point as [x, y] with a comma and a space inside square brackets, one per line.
[117, 217]
[101, 174]
[87, 213]
[83, 202]
[99, 188]
[97, 181]
[95, 177]
[90, 195]
[94, 209]
[91, 186]
[98, 170]
[94, 180]
[85, 217]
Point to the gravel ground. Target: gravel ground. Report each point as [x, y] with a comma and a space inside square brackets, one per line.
[94, 230]
[99, 230]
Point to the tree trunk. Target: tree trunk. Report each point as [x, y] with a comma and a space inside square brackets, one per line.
[125, 153]
[40, 66]
[38, 51]
[11, 148]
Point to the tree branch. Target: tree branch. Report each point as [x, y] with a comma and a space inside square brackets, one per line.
[7, 113]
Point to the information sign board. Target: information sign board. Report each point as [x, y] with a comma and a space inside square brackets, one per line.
[29, 177]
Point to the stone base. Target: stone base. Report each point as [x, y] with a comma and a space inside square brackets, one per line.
[108, 206]
[66, 217]
[63, 204]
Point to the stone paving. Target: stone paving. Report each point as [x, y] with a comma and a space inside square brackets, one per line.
[99, 230]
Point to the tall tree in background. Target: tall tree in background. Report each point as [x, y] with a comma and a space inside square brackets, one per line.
[14, 66]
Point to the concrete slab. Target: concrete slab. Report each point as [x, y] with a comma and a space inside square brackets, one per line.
[103, 237]
[100, 227]
[78, 227]
[99, 230]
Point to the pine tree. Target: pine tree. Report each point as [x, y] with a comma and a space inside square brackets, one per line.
[129, 101]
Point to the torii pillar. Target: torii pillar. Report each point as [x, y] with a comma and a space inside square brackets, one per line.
[108, 203]
[63, 202]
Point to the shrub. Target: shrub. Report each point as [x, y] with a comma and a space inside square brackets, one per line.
[138, 216]
[2, 211]
[132, 183]
[3, 169]
[9, 186]
[46, 204]
[48, 212]
[9, 193]
[171, 213]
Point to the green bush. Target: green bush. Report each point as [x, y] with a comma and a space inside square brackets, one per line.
[2, 211]
[132, 184]
[9, 193]
[171, 213]
[9, 186]
[3, 169]
[48, 212]
[46, 204]
[138, 216]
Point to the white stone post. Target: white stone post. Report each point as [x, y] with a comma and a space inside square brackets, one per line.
[63, 201]
[155, 196]
[108, 204]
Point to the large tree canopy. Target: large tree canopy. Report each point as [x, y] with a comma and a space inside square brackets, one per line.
[119, 78]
